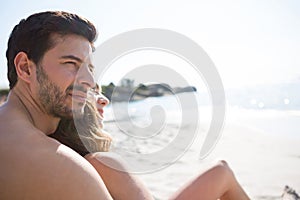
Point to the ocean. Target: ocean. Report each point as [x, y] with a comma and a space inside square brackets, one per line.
[273, 121]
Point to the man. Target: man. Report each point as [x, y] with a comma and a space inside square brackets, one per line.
[50, 73]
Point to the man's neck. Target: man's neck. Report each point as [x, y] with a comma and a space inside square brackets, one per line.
[21, 98]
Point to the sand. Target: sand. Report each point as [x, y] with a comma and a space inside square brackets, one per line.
[262, 162]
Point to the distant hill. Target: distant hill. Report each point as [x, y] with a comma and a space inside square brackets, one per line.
[3, 95]
[142, 91]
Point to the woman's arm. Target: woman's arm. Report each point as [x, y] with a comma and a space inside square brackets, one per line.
[121, 185]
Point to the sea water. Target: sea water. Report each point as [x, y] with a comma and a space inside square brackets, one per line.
[273, 121]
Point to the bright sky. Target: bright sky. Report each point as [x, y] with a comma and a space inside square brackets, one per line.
[251, 42]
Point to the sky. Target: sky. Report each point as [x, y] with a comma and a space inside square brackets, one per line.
[250, 42]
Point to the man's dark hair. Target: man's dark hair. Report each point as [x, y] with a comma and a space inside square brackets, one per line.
[34, 36]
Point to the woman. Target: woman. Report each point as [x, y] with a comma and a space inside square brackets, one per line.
[218, 182]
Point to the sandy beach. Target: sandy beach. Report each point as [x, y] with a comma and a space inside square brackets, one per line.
[263, 162]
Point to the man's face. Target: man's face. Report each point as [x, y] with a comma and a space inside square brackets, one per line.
[64, 76]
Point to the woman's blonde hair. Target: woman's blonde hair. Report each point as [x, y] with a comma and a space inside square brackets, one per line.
[83, 134]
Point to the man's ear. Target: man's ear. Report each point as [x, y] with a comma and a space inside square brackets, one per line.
[23, 66]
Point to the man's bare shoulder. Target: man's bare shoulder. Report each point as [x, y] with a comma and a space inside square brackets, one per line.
[77, 177]
[38, 167]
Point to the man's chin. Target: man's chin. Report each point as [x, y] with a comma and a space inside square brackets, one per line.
[70, 113]
[78, 105]
[77, 111]
[66, 115]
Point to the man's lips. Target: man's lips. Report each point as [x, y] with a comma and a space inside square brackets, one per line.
[78, 96]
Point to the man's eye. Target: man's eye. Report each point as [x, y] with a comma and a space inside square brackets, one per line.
[70, 62]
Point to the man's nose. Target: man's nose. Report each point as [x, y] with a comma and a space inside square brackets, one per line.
[85, 77]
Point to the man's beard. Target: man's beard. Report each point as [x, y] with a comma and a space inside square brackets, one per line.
[53, 99]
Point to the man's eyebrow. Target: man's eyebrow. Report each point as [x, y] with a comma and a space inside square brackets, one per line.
[72, 57]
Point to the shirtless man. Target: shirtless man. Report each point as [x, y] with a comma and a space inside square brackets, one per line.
[49, 63]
